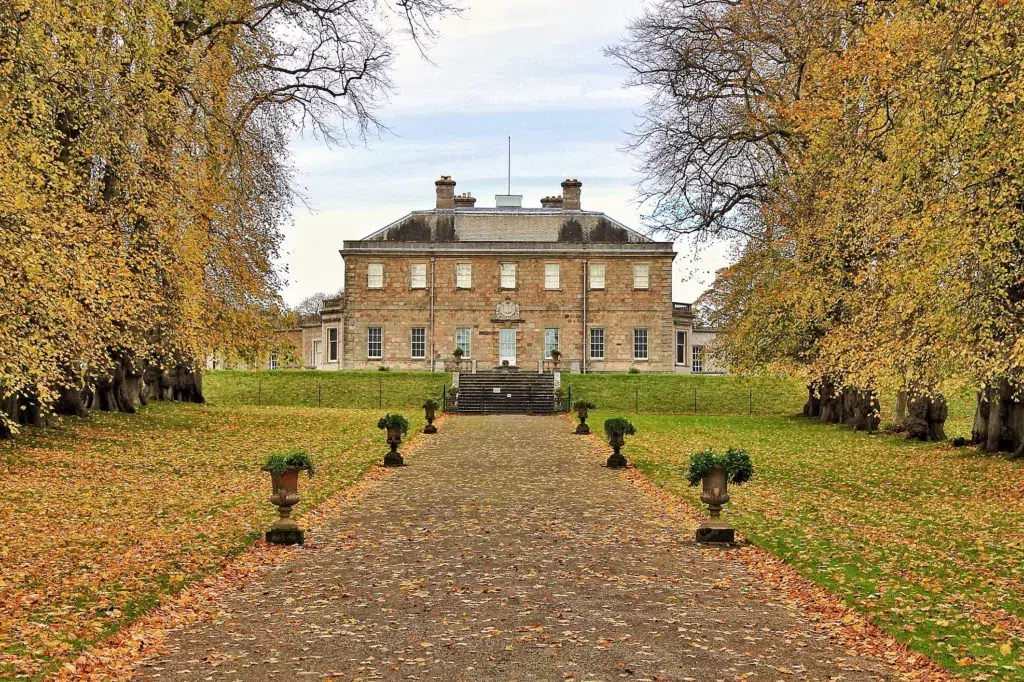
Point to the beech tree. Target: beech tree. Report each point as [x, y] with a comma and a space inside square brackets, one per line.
[146, 180]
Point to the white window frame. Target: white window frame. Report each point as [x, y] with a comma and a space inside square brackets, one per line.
[644, 345]
[591, 344]
[273, 360]
[466, 283]
[412, 343]
[697, 359]
[413, 276]
[642, 281]
[552, 276]
[597, 282]
[547, 345]
[333, 345]
[467, 347]
[369, 341]
[676, 349]
[318, 353]
[375, 276]
[505, 270]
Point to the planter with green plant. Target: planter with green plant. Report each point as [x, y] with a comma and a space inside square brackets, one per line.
[284, 471]
[457, 354]
[396, 426]
[556, 355]
[430, 409]
[583, 408]
[715, 472]
[616, 429]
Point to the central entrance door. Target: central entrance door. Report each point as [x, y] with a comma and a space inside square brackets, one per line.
[507, 346]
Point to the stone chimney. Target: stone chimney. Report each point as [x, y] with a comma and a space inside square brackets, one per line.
[445, 192]
[551, 202]
[571, 191]
[464, 200]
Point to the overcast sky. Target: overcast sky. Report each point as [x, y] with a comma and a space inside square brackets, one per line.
[526, 68]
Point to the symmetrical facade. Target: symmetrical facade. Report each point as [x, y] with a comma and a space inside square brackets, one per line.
[506, 284]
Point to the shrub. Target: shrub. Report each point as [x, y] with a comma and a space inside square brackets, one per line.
[736, 462]
[394, 420]
[634, 370]
[383, 368]
[458, 353]
[555, 355]
[618, 425]
[959, 442]
[431, 404]
[296, 459]
[584, 405]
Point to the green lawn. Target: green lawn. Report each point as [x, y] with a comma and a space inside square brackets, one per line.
[710, 394]
[103, 516]
[927, 539]
[347, 389]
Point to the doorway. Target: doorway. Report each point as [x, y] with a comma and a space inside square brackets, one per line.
[507, 346]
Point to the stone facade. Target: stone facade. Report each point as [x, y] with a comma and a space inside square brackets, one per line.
[603, 290]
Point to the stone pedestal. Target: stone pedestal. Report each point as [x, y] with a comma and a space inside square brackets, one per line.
[706, 534]
[285, 536]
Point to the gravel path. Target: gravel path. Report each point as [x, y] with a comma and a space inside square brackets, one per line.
[504, 551]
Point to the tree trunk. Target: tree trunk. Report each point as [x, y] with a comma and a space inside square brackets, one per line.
[9, 407]
[861, 409]
[899, 413]
[812, 408]
[927, 418]
[999, 420]
[187, 384]
[71, 402]
[831, 403]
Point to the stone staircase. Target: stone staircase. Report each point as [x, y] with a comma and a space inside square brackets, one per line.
[506, 392]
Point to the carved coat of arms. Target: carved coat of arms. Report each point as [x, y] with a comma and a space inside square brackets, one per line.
[506, 310]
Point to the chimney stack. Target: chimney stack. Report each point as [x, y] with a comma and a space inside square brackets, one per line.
[571, 191]
[465, 200]
[551, 202]
[445, 192]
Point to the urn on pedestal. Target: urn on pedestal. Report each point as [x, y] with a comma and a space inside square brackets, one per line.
[284, 487]
[396, 426]
[617, 429]
[714, 472]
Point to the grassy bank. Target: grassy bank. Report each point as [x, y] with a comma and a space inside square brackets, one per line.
[103, 516]
[927, 539]
[359, 390]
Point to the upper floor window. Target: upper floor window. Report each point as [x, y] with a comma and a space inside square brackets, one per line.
[551, 276]
[464, 276]
[375, 276]
[597, 275]
[374, 343]
[508, 275]
[641, 276]
[639, 344]
[418, 276]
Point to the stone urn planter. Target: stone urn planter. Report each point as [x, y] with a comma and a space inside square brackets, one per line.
[396, 426]
[284, 488]
[555, 357]
[582, 408]
[429, 410]
[714, 473]
[457, 357]
[617, 429]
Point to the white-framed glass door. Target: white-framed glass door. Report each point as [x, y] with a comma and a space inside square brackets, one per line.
[318, 353]
[507, 346]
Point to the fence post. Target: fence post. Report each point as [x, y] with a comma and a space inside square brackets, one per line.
[568, 405]
[695, 401]
[380, 393]
[259, 391]
[318, 393]
[636, 400]
[751, 404]
[444, 397]
[531, 399]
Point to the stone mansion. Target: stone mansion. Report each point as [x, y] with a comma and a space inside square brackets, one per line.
[506, 284]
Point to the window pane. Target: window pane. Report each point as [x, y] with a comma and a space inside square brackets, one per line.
[597, 344]
[508, 275]
[464, 275]
[639, 344]
[597, 276]
[332, 344]
[419, 342]
[418, 276]
[680, 348]
[641, 276]
[374, 342]
[273, 360]
[463, 341]
[551, 276]
[550, 342]
[375, 275]
[698, 358]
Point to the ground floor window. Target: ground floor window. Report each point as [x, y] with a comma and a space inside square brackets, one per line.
[680, 348]
[374, 343]
[273, 360]
[419, 343]
[464, 340]
[639, 344]
[332, 344]
[550, 342]
[698, 359]
[597, 344]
